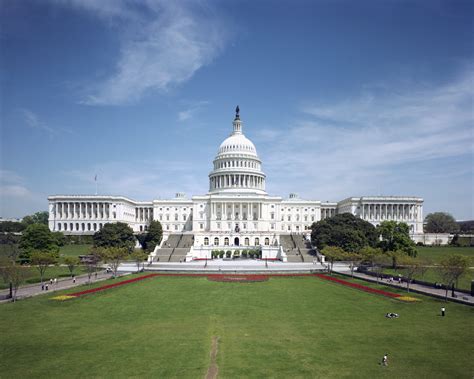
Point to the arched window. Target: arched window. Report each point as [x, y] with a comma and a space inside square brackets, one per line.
[83, 226]
[216, 241]
[71, 227]
[59, 226]
[226, 241]
[267, 241]
[77, 226]
[95, 226]
[257, 241]
[206, 241]
[100, 226]
[141, 228]
[246, 241]
[88, 226]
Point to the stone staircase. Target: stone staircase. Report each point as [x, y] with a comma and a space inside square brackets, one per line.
[304, 248]
[290, 248]
[175, 248]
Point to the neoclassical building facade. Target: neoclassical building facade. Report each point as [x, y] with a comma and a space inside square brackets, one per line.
[236, 211]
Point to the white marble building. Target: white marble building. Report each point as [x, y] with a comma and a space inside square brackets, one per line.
[236, 211]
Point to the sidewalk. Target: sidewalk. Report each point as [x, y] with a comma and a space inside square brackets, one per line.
[62, 284]
[461, 297]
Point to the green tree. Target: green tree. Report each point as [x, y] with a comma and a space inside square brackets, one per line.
[452, 267]
[14, 274]
[411, 268]
[344, 230]
[42, 260]
[396, 237]
[37, 237]
[354, 260]
[71, 263]
[153, 237]
[441, 222]
[139, 257]
[115, 235]
[369, 254]
[60, 238]
[37, 218]
[379, 262]
[114, 256]
[11, 227]
[333, 253]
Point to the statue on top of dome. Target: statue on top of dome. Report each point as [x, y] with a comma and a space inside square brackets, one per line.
[237, 111]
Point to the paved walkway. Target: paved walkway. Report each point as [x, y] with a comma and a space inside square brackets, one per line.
[62, 284]
[227, 266]
[418, 288]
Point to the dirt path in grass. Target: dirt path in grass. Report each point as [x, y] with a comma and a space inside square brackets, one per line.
[213, 370]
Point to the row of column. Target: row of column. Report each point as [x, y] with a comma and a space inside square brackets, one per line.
[390, 212]
[327, 212]
[143, 214]
[253, 211]
[74, 210]
[237, 181]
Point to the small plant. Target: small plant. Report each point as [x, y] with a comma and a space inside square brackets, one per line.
[228, 254]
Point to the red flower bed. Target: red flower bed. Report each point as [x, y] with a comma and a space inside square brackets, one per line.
[358, 286]
[92, 290]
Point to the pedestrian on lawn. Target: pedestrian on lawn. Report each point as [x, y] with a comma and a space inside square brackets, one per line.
[385, 360]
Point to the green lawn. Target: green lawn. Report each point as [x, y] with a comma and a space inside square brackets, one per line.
[74, 250]
[286, 327]
[436, 253]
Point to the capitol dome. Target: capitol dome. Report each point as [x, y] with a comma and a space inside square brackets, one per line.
[237, 167]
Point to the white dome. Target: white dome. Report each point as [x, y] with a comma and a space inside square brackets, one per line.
[238, 144]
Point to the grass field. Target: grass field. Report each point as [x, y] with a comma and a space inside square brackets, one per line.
[74, 250]
[436, 253]
[287, 327]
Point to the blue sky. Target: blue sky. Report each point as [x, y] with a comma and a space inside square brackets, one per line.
[341, 98]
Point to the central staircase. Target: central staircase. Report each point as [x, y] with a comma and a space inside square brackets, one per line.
[175, 248]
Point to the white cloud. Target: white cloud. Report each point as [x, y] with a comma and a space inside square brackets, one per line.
[32, 120]
[192, 110]
[163, 44]
[373, 143]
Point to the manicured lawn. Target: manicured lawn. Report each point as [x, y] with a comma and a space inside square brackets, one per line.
[286, 327]
[74, 250]
[436, 253]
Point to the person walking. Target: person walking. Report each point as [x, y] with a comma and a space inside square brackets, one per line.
[74, 279]
[55, 281]
[443, 311]
[385, 360]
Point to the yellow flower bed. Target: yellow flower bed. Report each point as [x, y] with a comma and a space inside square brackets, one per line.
[408, 299]
[63, 297]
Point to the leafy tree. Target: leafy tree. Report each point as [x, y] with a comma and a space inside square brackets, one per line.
[441, 222]
[11, 227]
[37, 218]
[396, 237]
[379, 262]
[37, 237]
[14, 274]
[42, 260]
[411, 267]
[369, 254]
[71, 263]
[114, 256]
[60, 238]
[91, 262]
[354, 260]
[139, 257]
[118, 235]
[153, 237]
[395, 256]
[344, 230]
[333, 253]
[452, 267]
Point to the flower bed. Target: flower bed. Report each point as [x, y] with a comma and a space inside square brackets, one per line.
[359, 286]
[92, 290]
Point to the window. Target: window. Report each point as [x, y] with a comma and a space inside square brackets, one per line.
[176, 227]
[257, 241]
[289, 217]
[272, 216]
[226, 241]
[218, 225]
[59, 226]
[216, 241]
[167, 227]
[267, 241]
[141, 228]
[306, 218]
[289, 227]
[161, 217]
[184, 217]
[206, 241]
[176, 217]
[167, 217]
[273, 226]
[246, 241]
[312, 218]
[201, 226]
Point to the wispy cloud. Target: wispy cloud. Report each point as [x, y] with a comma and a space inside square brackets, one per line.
[33, 121]
[163, 44]
[372, 143]
[191, 110]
